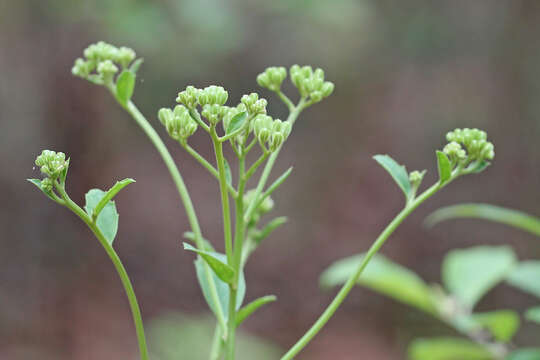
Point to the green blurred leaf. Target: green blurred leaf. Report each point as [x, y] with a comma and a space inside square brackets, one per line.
[533, 314]
[111, 193]
[384, 276]
[526, 276]
[489, 212]
[236, 122]
[228, 173]
[250, 308]
[447, 349]
[221, 269]
[125, 84]
[502, 324]
[176, 336]
[525, 354]
[136, 65]
[445, 169]
[107, 220]
[222, 288]
[398, 172]
[470, 273]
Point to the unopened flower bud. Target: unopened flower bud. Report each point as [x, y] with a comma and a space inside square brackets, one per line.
[213, 112]
[253, 104]
[52, 163]
[213, 95]
[272, 78]
[47, 184]
[311, 83]
[189, 97]
[107, 69]
[124, 56]
[178, 123]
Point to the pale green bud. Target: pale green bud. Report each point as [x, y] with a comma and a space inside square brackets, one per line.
[455, 152]
[52, 163]
[213, 95]
[47, 184]
[262, 127]
[272, 78]
[475, 142]
[213, 112]
[189, 97]
[416, 177]
[124, 56]
[107, 69]
[83, 68]
[178, 123]
[311, 83]
[101, 51]
[253, 104]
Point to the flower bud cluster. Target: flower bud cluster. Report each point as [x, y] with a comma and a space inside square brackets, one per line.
[311, 83]
[104, 59]
[178, 122]
[272, 78]
[212, 99]
[253, 104]
[266, 205]
[416, 177]
[475, 143]
[271, 132]
[52, 164]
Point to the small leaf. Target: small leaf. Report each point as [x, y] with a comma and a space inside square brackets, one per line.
[398, 172]
[64, 173]
[136, 65]
[250, 308]
[470, 273]
[222, 288]
[517, 219]
[236, 122]
[107, 221]
[228, 174]
[533, 314]
[111, 193]
[221, 269]
[478, 167]
[445, 169]
[503, 324]
[525, 354]
[124, 86]
[447, 349]
[37, 183]
[526, 276]
[269, 228]
[384, 276]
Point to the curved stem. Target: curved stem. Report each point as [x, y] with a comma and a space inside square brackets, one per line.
[128, 287]
[351, 281]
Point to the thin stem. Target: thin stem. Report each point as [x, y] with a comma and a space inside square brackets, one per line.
[256, 165]
[215, 351]
[351, 281]
[285, 99]
[128, 287]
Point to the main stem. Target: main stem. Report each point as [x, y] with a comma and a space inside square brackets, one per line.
[342, 294]
[128, 287]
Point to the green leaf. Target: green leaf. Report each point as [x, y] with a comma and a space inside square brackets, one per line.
[207, 245]
[525, 354]
[398, 172]
[478, 167]
[470, 273]
[111, 193]
[447, 349]
[221, 269]
[236, 122]
[136, 65]
[489, 212]
[125, 84]
[228, 174]
[250, 308]
[107, 220]
[269, 228]
[502, 324]
[445, 169]
[533, 314]
[37, 183]
[526, 276]
[384, 276]
[222, 288]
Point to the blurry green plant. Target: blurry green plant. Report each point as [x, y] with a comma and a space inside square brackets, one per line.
[467, 276]
[244, 127]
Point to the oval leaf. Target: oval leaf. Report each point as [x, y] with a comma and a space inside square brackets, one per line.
[445, 169]
[111, 193]
[533, 314]
[525, 354]
[221, 269]
[125, 84]
[107, 220]
[384, 276]
[526, 276]
[447, 349]
[470, 273]
[236, 122]
[398, 172]
[502, 324]
[250, 308]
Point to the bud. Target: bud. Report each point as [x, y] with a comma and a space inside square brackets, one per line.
[213, 95]
[47, 184]
[178, 123]
[107, 69]
[311, 83]
[83, 68]
[272, 78]
[124, 56]
[262, 127]
[52, 163]
[253, 104]
[189, 97]
[455, 152]
[213, 112]
[475, 142]
[416, 177]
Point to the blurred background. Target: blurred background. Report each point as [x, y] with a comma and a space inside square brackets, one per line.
[405, 74]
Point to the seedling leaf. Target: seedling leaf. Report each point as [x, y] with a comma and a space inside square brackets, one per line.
[125, 84]
[107, 220]
[525, 276]
[398, 172]
[445, 169]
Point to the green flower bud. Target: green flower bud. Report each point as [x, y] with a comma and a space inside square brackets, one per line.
[213, 95]
[416, 177]
[272, 78]
[213, 112]
[101, 51]
[47, 184]
[178, 123]
[262, 127]
[311, 83]
[189, 97]
[107, 69]
[83, 68]
[124, 56]
[253, 104]
[475, 142]
[52, 163]
[455, 152]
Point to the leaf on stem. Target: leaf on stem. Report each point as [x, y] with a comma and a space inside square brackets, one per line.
[136, 65]
[470, 273]
[250, 308]
[525, 354]
[269, 228]
[107, 220]
[533, 314]
[125, 84]
[502, 324]
[111, 193]
[236, 122]
[37, 183]
[444, 166]
[526, 276]
[191, 236]
[383, 276]
[220, 268]
[398, 172]
[447, 349]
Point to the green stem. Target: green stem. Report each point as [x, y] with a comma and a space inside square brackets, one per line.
[342, 294]
[256, 165]
[215, 351]
[128, 287]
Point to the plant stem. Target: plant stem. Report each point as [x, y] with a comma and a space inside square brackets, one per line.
[128, 287]
[351, 281]
[215, 351]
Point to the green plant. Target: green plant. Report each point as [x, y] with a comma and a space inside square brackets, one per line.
[244, 127]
